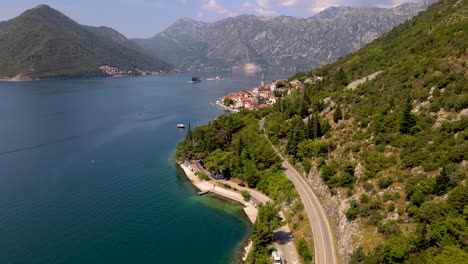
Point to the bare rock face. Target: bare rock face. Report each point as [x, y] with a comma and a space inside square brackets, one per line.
[347, 232]
[277, 41]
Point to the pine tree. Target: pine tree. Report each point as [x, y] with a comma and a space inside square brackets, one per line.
[303, 108]
[296, 135]
[407, 118]
[338, 115]
[341, 76]
[442, 182]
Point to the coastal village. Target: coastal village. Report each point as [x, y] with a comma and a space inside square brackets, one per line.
[116, 72]
[264, 95]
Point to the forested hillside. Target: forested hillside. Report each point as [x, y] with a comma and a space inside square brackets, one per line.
[44, 43]
[393, 150]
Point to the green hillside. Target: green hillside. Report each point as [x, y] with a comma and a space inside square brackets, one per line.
[43, 43]
[392, 150]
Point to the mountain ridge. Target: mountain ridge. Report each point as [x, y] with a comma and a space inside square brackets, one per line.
[282, 41]
[44, 43]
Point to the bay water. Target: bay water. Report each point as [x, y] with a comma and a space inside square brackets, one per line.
[87, 172]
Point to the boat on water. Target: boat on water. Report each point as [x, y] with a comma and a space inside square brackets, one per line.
[180, 126]
[195, 79]
[217, 78]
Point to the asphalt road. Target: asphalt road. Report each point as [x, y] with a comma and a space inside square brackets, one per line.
[284, 242]
[322, 234]
[324, 249]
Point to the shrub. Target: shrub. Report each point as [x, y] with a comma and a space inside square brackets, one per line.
[344, 180]
[368, 186]
[304, 250]
[327, 173]
[246, 195]
[357, 257]
[202, 176]
[418, 197]
[396, 249]
[353, 210]
[385, 182]
[388, 229]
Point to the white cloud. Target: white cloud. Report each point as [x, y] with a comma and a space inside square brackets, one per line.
[315, 6]
[213, 6]
[265, 12]
[289, 3]
[247, 5]
[276, 7]
[264, 3]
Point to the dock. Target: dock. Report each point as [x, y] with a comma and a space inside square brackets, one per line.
[203, 192]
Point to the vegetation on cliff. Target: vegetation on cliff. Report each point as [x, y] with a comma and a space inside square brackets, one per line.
[395, 147]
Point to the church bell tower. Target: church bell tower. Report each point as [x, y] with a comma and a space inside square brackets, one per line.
[262, 83]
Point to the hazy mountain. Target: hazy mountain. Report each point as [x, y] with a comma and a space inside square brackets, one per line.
[44, 43]
[277, 41]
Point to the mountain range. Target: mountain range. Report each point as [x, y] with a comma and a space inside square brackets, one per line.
[276, 41]
[44, 43]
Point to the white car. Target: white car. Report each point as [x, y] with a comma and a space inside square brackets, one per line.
[276, 257]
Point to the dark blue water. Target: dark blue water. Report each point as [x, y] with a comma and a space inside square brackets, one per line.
[87, 173]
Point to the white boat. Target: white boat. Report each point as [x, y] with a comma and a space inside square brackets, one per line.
[180, 126]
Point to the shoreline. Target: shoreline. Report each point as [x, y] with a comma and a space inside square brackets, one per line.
[286, 249]
[250, 210]
[227, 108]
[74, 77]
[205, 186]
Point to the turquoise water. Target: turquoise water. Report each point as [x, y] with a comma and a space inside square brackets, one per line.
[87, 173]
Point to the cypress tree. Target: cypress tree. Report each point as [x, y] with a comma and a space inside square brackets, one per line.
[189, 136]
[309, 130]
[442, 182]
[303, 108]
[317, 129]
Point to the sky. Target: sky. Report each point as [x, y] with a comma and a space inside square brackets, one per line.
[145, 18]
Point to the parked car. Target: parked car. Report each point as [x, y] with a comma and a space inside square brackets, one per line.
[241, 184]
[276, 257]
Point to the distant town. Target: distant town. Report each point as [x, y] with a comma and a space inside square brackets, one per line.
[264, 95]
[116, 72]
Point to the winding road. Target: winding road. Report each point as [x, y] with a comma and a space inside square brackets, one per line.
[322, 233]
